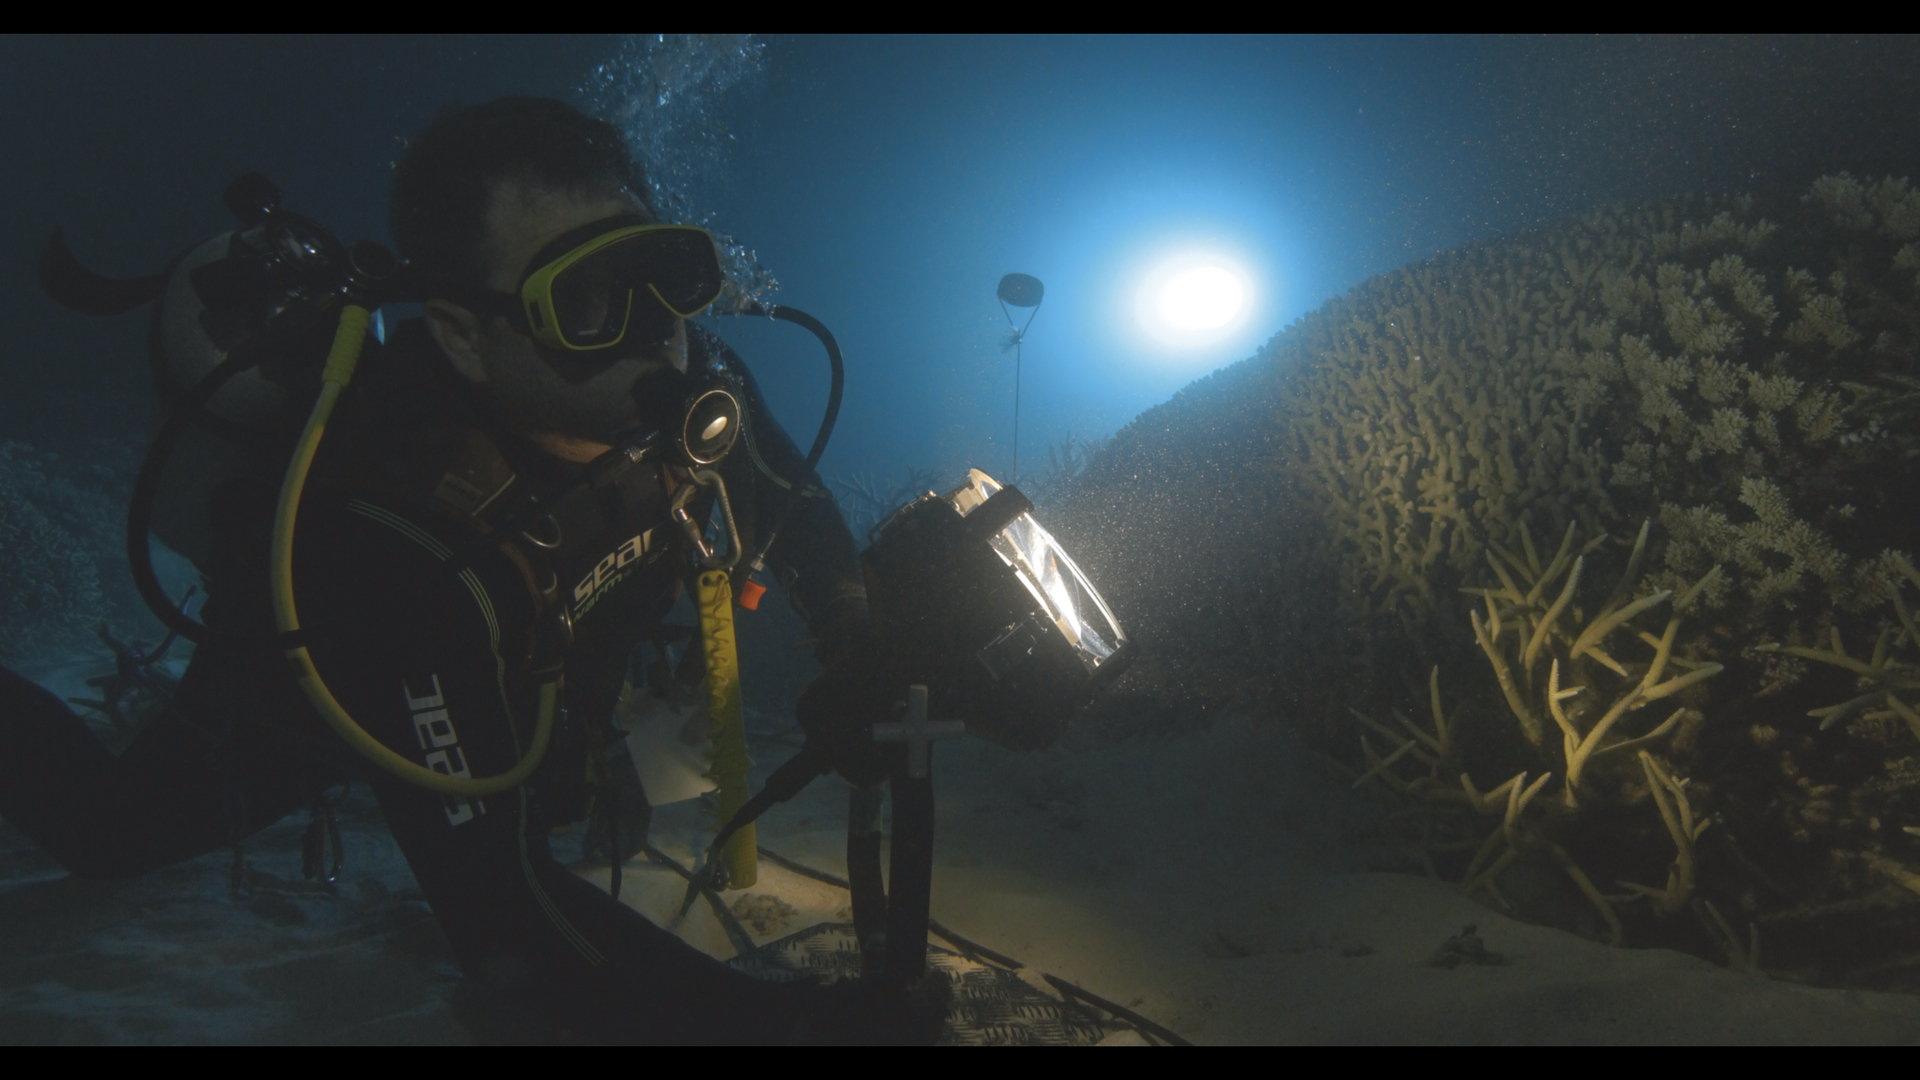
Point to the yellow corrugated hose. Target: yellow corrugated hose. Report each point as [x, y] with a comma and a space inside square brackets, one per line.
[727, 724]
[341, 361]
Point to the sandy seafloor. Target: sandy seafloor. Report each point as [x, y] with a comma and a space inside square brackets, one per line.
[1210, 881]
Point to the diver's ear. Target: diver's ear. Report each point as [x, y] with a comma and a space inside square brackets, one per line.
[460, 336]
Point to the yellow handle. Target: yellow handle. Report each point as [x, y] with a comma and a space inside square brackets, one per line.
[341, 361]
[727, 723]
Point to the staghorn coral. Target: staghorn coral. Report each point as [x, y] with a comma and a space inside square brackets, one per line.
[1823, 315]
[1908, 259]
[1695, 322]
[1879, 712]
[1722, 231]
[1749, 288]
[1629, 363]
[1372, 450]
[1775, 550]
[1889, 674]
[1446, 804]
[1425, 440]
[1539, 637]
[1743, 372]
[1548, 668]
[1844, 198]
[1898, 206]
[1891, 204]
[1772, 393]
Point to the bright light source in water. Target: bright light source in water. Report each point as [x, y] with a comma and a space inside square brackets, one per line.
[1203, 298]
[1196, 301]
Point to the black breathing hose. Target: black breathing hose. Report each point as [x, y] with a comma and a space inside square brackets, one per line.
[832, 415]
[146, 486]
[819, 330]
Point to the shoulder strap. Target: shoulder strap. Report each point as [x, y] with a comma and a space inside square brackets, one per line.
[415, 441]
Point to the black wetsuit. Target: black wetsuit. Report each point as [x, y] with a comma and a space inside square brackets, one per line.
[436, 666]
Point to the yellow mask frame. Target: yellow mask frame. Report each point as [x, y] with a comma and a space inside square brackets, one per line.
[678, 265]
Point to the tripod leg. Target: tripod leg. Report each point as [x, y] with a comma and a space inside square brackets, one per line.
[869, 888]
[911, 896]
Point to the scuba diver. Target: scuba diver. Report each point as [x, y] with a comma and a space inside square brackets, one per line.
[506, 506]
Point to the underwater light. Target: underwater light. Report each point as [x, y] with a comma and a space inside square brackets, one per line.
[1203, 298]
[982, 625]
[976, 600]
[1196, 300]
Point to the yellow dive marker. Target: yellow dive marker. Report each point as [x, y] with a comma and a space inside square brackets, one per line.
[341, 361]
[726, 723]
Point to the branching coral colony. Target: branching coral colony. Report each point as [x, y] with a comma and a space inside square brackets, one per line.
[1889, 682]
[1625, 364]
[1749, 386]
[1744, 373]
[1553, 663]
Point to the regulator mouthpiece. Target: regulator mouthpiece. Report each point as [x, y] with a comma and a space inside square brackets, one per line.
[698, 412]
[711, 424]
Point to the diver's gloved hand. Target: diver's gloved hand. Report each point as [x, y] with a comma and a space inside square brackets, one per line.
[867, 1012]
[847, 628]
[838, 711]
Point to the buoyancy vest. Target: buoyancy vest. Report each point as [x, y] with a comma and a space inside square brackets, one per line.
[601, 568]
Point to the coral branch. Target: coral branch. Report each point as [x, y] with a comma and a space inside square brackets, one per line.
[1894, 870]
[1885, 674]
[1517, 800]
[1906, 713]
[1670, 796]
[1533, 557]
[1615, 933]
[1634, 561]
[1494, 801]
[1382, 764]
[1597, 632]
[1742, 959]
[1679, 683]
[1529, 723]
[1552, 616]
[1554, 567]
[1445, 743]
[1665, 727]
[1512, 591]
[1430, 742]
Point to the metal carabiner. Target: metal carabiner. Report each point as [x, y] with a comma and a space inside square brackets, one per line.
[695, 532]
[546, 545]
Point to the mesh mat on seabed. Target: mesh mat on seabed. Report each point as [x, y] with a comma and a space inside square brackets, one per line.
[991, 1006]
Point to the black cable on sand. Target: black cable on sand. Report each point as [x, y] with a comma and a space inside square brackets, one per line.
[970, 948]
[736, 933]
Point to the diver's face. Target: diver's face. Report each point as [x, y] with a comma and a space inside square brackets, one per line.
[585, 402]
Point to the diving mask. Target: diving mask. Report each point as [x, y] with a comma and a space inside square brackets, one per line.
[621, 280]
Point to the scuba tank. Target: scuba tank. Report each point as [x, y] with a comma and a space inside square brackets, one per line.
[218, 446]
[284, 307]
[270, 287]
[240, 328]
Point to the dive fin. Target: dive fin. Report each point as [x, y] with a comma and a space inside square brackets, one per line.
[72, 285]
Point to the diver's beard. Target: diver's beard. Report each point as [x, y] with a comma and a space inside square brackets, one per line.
[532, 397]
